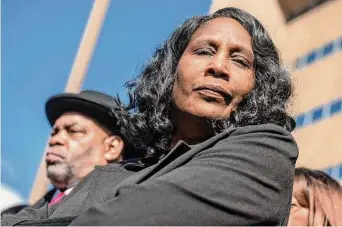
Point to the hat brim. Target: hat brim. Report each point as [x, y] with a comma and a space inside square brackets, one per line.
[60, 104]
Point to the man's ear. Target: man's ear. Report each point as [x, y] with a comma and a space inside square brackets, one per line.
[114, 146]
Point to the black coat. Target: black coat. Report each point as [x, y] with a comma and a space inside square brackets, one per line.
[46, 199]
[243, 176]
[41, 202]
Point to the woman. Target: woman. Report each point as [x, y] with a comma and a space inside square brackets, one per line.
[209, 113]
[316, 199]
[210, 110]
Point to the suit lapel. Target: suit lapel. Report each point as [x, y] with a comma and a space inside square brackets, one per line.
[45, 199]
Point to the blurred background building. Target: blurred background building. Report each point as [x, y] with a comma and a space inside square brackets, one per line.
[308, 34]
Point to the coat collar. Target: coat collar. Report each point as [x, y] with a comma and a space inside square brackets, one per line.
[180, 154]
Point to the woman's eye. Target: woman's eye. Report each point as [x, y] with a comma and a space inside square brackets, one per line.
[204, 52]
[242, 62]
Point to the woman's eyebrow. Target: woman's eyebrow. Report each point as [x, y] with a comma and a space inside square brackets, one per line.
[206, 42]
[237, 47]
[201, 42]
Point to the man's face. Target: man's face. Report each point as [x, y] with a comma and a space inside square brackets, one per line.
[76, 145]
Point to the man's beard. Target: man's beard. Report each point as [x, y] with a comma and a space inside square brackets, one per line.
[60, 173]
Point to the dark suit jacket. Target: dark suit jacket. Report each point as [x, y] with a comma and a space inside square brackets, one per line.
[243, 176]
[45, 200]
[41, 202]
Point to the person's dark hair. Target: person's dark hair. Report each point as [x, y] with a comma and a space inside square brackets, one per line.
[149, 124]
[321, 194]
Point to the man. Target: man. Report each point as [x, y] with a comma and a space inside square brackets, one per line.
[84, 134]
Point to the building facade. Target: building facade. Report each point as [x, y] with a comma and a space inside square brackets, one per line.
[308, 34]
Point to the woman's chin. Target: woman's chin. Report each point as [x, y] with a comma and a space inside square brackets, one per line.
[211, 111]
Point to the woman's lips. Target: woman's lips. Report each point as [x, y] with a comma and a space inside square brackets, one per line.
[215, 92]
[210, 93]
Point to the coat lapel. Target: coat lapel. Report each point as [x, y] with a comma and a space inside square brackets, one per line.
[45, 199]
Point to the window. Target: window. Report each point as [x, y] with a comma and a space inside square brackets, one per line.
[300, 63]
[334, 172]
[340, 41]
[328, 171]
[317, 114]
[311, 57]
[300, 121]
[318, 53]
[328, 49]
[294, 8]
[336, 107]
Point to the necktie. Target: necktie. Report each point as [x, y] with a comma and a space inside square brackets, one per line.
[57, 199]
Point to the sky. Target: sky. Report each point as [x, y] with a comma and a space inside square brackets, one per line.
[39, 40]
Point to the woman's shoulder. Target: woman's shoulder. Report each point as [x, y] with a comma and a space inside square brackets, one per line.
[258, 131]
[263, 136]
[271, 128]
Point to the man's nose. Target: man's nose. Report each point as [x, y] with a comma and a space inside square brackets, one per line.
[58, 138]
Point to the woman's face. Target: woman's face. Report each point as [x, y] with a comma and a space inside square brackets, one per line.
[299, 215]
[215, 71]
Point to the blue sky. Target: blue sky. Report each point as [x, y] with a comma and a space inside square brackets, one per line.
[39, 42]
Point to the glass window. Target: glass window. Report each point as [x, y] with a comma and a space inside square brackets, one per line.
[300, 120]
[328, 171]
[294, 8]
[311, 57]
[300, 63]
[317, 114]
[336, 107]
[335, 172]
[340, 42]
[328, 49]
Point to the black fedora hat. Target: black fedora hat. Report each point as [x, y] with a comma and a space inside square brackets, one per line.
[93, 104]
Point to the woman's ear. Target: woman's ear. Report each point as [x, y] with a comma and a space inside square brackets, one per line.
[114, 146]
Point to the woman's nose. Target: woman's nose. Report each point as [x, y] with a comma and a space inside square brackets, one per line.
[218, 67]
